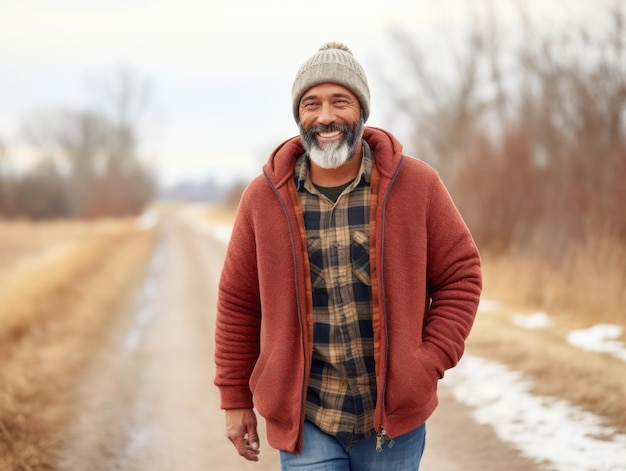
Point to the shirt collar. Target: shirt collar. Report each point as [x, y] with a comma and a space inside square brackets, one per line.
[365, 172]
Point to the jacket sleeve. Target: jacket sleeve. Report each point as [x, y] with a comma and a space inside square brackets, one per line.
[237, 329]
[453, 278]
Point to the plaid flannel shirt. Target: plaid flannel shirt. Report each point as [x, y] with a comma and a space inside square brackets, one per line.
[341, 397]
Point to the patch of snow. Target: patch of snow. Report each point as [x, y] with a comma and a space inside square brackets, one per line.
[538, 320]
[145, 303]
[545, 429]
[148, 220]
[599, 338]
[204, 227]
[222, 232]
[488, 305]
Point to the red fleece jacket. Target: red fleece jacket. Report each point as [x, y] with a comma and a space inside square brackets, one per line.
[426, 284]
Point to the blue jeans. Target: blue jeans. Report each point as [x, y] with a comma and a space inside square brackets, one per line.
[322, 452]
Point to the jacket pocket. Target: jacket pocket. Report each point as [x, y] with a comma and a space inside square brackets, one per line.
[411, 384]
[273, 377]
[316, 262]
[360, 254]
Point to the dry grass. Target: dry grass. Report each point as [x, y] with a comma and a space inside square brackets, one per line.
[220, 214]
[54, 315]
[588, 288]
[20, 240]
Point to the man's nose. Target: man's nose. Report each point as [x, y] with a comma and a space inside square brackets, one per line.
[327, 115]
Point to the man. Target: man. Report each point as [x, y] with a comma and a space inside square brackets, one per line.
[349, 286]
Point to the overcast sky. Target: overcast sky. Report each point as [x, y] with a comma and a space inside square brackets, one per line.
[221, 71]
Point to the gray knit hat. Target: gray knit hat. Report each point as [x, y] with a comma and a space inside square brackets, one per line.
[334, 63]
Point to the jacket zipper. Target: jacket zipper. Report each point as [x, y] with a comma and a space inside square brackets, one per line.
[300, 316]
[382, 435]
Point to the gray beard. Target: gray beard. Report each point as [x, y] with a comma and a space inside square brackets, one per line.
[331, 155]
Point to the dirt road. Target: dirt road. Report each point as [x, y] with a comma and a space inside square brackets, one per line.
[149, 402]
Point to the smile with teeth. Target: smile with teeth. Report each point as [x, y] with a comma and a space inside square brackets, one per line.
[328, 134]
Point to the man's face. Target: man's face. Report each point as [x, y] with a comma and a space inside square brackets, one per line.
[330, 125]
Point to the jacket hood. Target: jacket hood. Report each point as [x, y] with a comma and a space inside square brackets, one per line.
[386, 149]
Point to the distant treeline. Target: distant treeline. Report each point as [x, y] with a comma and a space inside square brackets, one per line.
[85, 162]
[528, 131]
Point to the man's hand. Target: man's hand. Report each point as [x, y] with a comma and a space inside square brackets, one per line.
[241, 430]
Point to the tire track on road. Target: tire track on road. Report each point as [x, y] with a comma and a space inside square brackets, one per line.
[154, 406]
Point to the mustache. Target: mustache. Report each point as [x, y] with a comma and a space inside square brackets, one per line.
[329, 128]
[309, 134]
[349, 132]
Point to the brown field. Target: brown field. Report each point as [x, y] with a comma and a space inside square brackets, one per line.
[576, 296]
[63, 286]
[220, 215]
[588, 288]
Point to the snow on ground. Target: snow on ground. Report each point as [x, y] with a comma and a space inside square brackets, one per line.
[148, 219]
[222, 232]
[489, 305]
[546, 429]
[599, 338]
[549, 430]
[202, 225]
[538, 320]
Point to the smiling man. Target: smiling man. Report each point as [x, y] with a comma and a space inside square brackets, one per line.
[331, 126]
[349, 287]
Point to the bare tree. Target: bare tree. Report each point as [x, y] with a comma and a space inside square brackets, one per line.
[530, 135]
[5, 181]
[124, 99]
[41, 194]
[95, 150]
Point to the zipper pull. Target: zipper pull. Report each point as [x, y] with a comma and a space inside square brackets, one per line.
[380, 439]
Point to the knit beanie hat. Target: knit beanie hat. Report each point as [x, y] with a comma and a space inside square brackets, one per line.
[334, 63]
